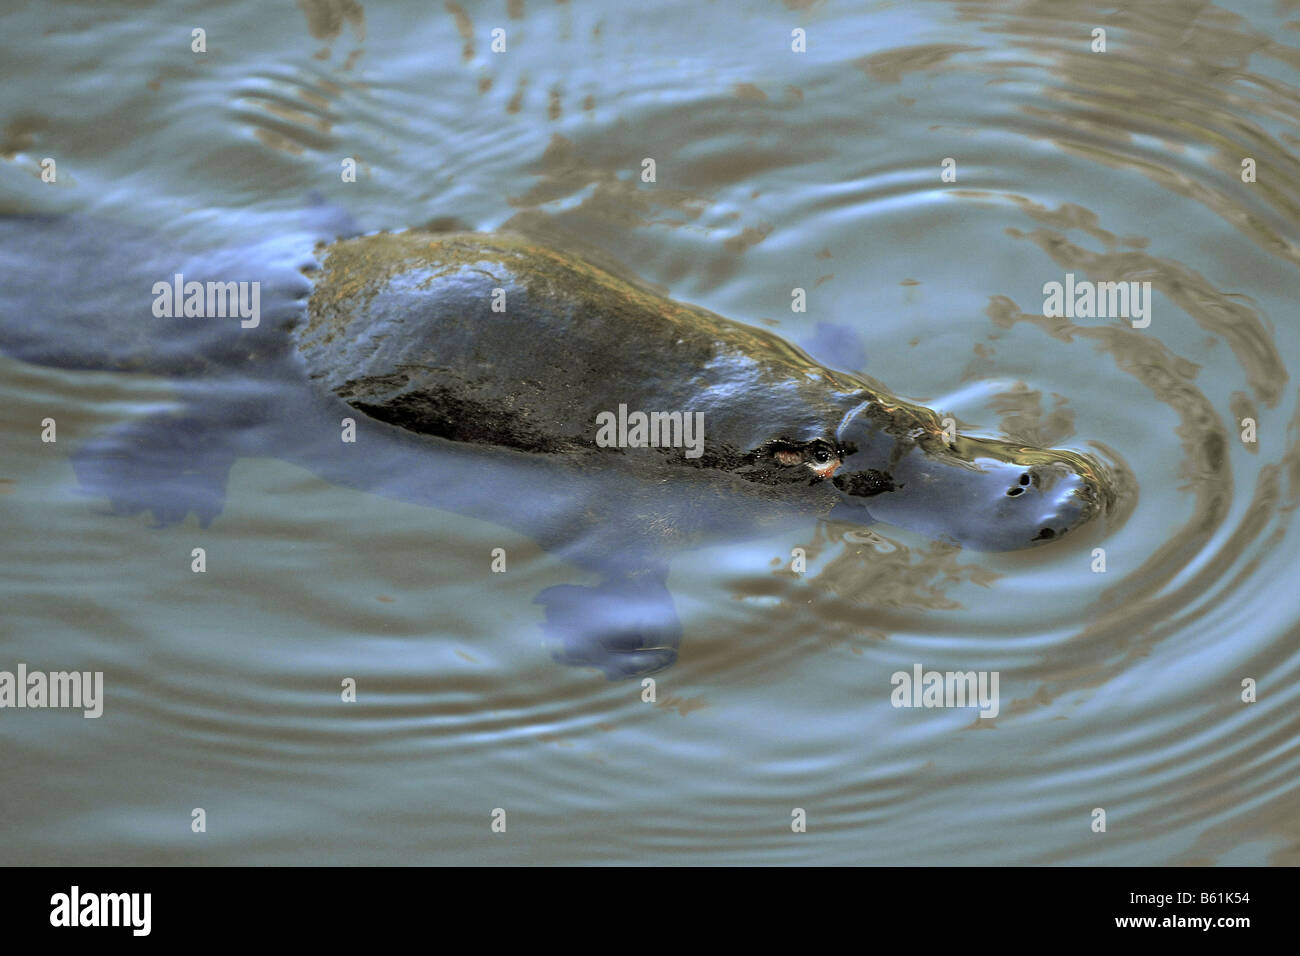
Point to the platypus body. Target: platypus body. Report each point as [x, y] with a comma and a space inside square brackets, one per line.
[491, 376]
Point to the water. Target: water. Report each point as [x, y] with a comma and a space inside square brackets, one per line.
[775, 170]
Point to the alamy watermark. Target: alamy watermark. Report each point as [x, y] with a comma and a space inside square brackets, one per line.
[210, 300]
[922, 688]
[76, 908]
[1085, 299]
[651, 430]
[80, 690]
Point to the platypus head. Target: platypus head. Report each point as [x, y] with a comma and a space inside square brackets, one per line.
[895, 462]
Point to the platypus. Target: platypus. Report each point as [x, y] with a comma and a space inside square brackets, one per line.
[498, 377]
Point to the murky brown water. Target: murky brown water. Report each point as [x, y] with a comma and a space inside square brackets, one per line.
[1120, 689]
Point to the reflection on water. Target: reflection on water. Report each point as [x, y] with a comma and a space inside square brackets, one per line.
[774, 170]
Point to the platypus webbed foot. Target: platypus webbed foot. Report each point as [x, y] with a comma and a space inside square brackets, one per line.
[169, 465]
[623, 627]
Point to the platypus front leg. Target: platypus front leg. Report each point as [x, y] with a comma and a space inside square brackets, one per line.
[167, 464]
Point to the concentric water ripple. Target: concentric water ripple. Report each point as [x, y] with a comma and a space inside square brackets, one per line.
[1120, 689]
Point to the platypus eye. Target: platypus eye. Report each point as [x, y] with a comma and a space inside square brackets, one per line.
[819, 451]
[818, 455]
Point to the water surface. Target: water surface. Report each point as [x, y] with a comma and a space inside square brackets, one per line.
[774, 170]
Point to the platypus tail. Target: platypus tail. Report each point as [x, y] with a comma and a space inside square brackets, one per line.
[81, 293]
